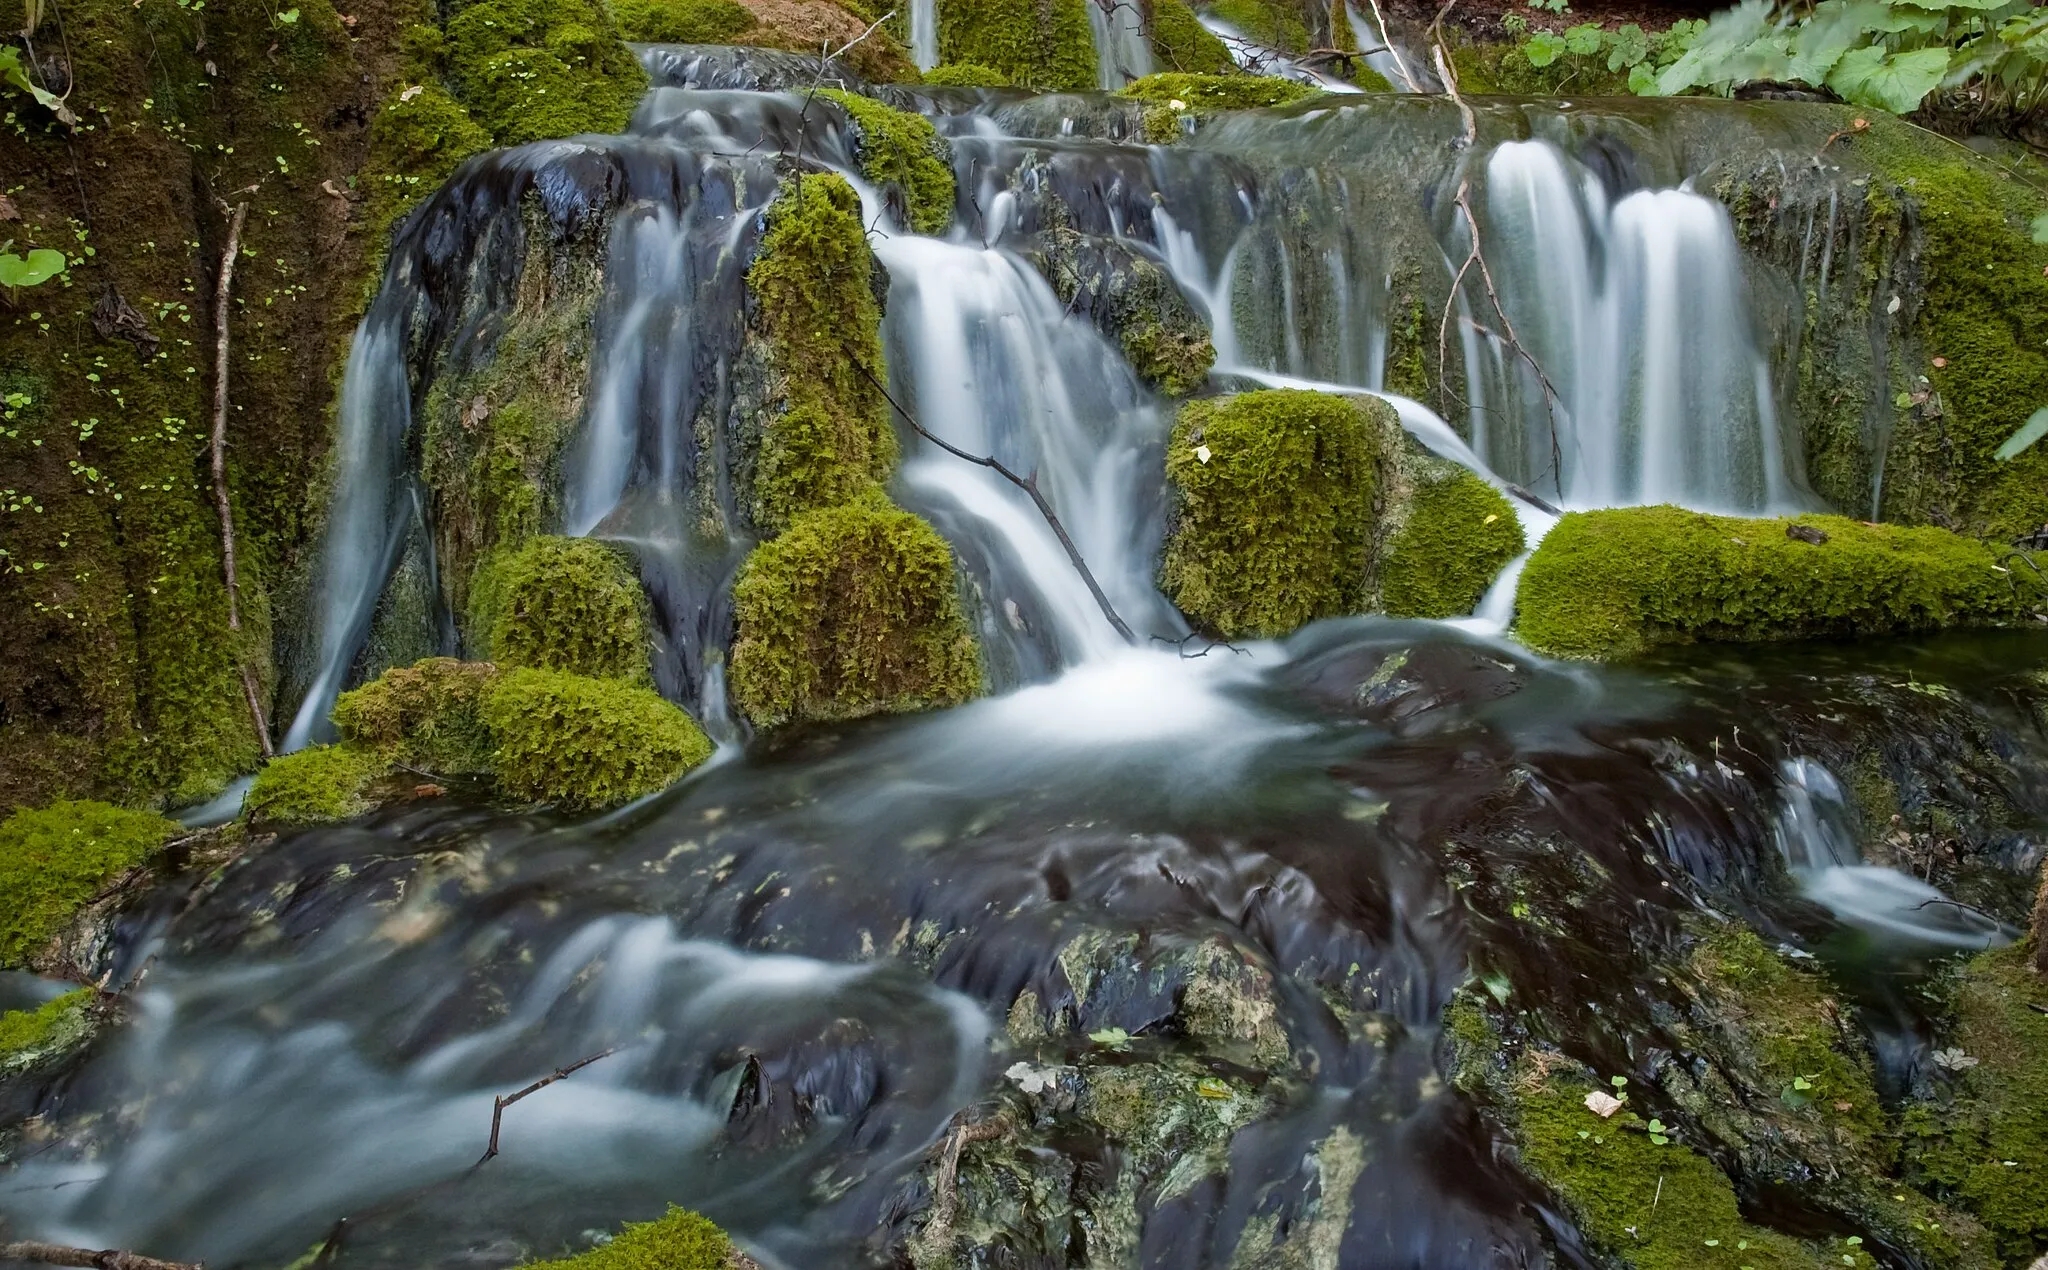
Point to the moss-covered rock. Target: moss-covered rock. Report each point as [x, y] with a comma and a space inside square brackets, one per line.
[533, 69]
[30, 1038]
[683, 21]
[416, 141]
[578, 742]
[824, 436]
[1133, 300]
[852, 611]
[570, 604]
[1459, 534]
[1218, 92]
[316, 785]
[53, 859]
[426, 715]
[1981, 1141]
[1274, 496]
[904, 156]
[1181, 43]
[681, 1240]
[1615, 583]
[966, 75]
[1041, 44]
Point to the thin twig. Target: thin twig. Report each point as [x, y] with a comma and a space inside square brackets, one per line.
[825, 58]
[1958, 904]
[1029, 485]
[938, 1232]
[1210, 647]
[503, 1101]
[221, 292]
[1387, 38]
[104, 1259]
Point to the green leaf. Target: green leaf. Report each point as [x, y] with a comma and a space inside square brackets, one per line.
[1583, 39]
[1112, 1038]
[1627, 47]
[1543, 48]
[1642, 81]
[41, 265]
[288, 17]
[1898, 83]
[2031, 431]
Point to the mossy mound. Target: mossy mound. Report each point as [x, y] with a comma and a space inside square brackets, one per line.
[1218, 92]
[682, 21]
[903, 155]
[1618, 582]
[580, 743]
[1135, 302]
[1459, 534]
[570, 604]
[30, 1037]
[316, 785]
[966, 75]
[1274, 508]
[425, 715]
[1041, 44]
[825, 436]
[681, 1240]
[1182, 43]
[53, 859]
[852, 611]
[533, 69]
[416, 141]
[1982, 1141]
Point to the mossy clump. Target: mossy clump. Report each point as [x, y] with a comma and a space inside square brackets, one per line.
[1982, 1142]
[316, 785]
[578, 742]
[1459, 534]
[966, 75]
[28, 1037]
[533, 69]
[53, 859]
[1218, 92]
[1274, 496]
[682, 1240]
[1270, 23]
[1182, 43]
[570, 604]
[426, 715]
[852, 611]
[902, 151]
[1041, 44]
[1615, 583]
[416, 141]
[1135, 301]
[682, 21]
[816, 309]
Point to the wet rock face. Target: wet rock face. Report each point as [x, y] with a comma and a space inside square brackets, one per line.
[1133, 300]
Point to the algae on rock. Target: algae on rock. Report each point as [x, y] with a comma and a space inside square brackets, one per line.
[427, 715]
[1133, 300]
[30, 1038]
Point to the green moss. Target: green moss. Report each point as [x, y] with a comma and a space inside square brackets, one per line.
[1408, 342]
[1460, 533]
[416, 141]
[570, 604]
[1615, 583]
[27, 1037]
[901, 150]
[1218, 92]
[1274, 507]
[682, 21]
[579, 742]
[1274, 25]
[853, 611]
[316, 785]
[1041, 44]
[533, 69]
[1133, 300]
[425, 715]
[816, 309]
[1983, 1143]
[680, 1241]
[1181, 42]
[54, 859]
[966, 75]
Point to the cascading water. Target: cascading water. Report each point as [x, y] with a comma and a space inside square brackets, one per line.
[924, 33]
[1123, 51]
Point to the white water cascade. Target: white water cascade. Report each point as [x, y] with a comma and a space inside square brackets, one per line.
[924, 33]
[1123, 52]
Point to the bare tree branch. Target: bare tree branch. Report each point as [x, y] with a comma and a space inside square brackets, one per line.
[1387, 38]
[223, 288]
[503, 1101]
[105, 1259]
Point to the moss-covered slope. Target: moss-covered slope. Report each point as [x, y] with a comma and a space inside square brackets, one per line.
[53, 859]
[1042, 44]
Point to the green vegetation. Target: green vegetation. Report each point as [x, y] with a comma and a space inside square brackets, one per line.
[966, 75]
[56, 858]
[902, 151]
[851, 612]
[1982, 1141]
[425, 715]
[580, 743]
[1134, 301]
[417, 140]
[1460, 533]
[682, 21]
[570, 604]
[316, 785]
[1585, 59]
[1218, 92]
[1616, 583]
[680, 1241]
[1041, 44]
[532, 69]
[1275, 25]
[27, 1037]
[1274, 508]
[817, 312]
[1180, 41]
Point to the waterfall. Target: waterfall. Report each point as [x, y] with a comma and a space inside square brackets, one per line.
[1401, 68]
[1123, 52]
[924, 33]
[1261, 59]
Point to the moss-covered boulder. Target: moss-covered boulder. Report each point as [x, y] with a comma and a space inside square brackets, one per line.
[417, 139]
[822, 434]
[1041, 44]
[427, 715]
[570, 604]
[533, 69]
[681, 1240]
[1459, 533]
[1175, 99]
[966, 75]
[578, 742]
[53, 859]
[904, 156]
[1618, 582]
[1181, 43]
[316, 785]
[1134, 301]
[1272, 518]
[683, 21]
[852, 611]
[31, 1038]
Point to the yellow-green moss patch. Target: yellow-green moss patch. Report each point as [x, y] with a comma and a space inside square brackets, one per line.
[53, 859]
[853, 611]
[901, 150]
[28, 1037]
[1181, 43]
[1042, 44]
[1460, 533]
[681, 1240]
[533, 69]
[570, 604]
[1615, 583]
[579, 742]
[416, 141]
[682, 21]
[1218, 92]
[1273, 509]
[966, 75]
[425, 715]
[316, 785]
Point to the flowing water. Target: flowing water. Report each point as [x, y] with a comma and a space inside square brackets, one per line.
[806, 958]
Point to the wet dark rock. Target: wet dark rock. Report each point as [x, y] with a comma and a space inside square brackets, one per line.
[1806, 533]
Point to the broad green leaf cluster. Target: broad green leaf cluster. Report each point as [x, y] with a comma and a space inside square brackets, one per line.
[1642, 54]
